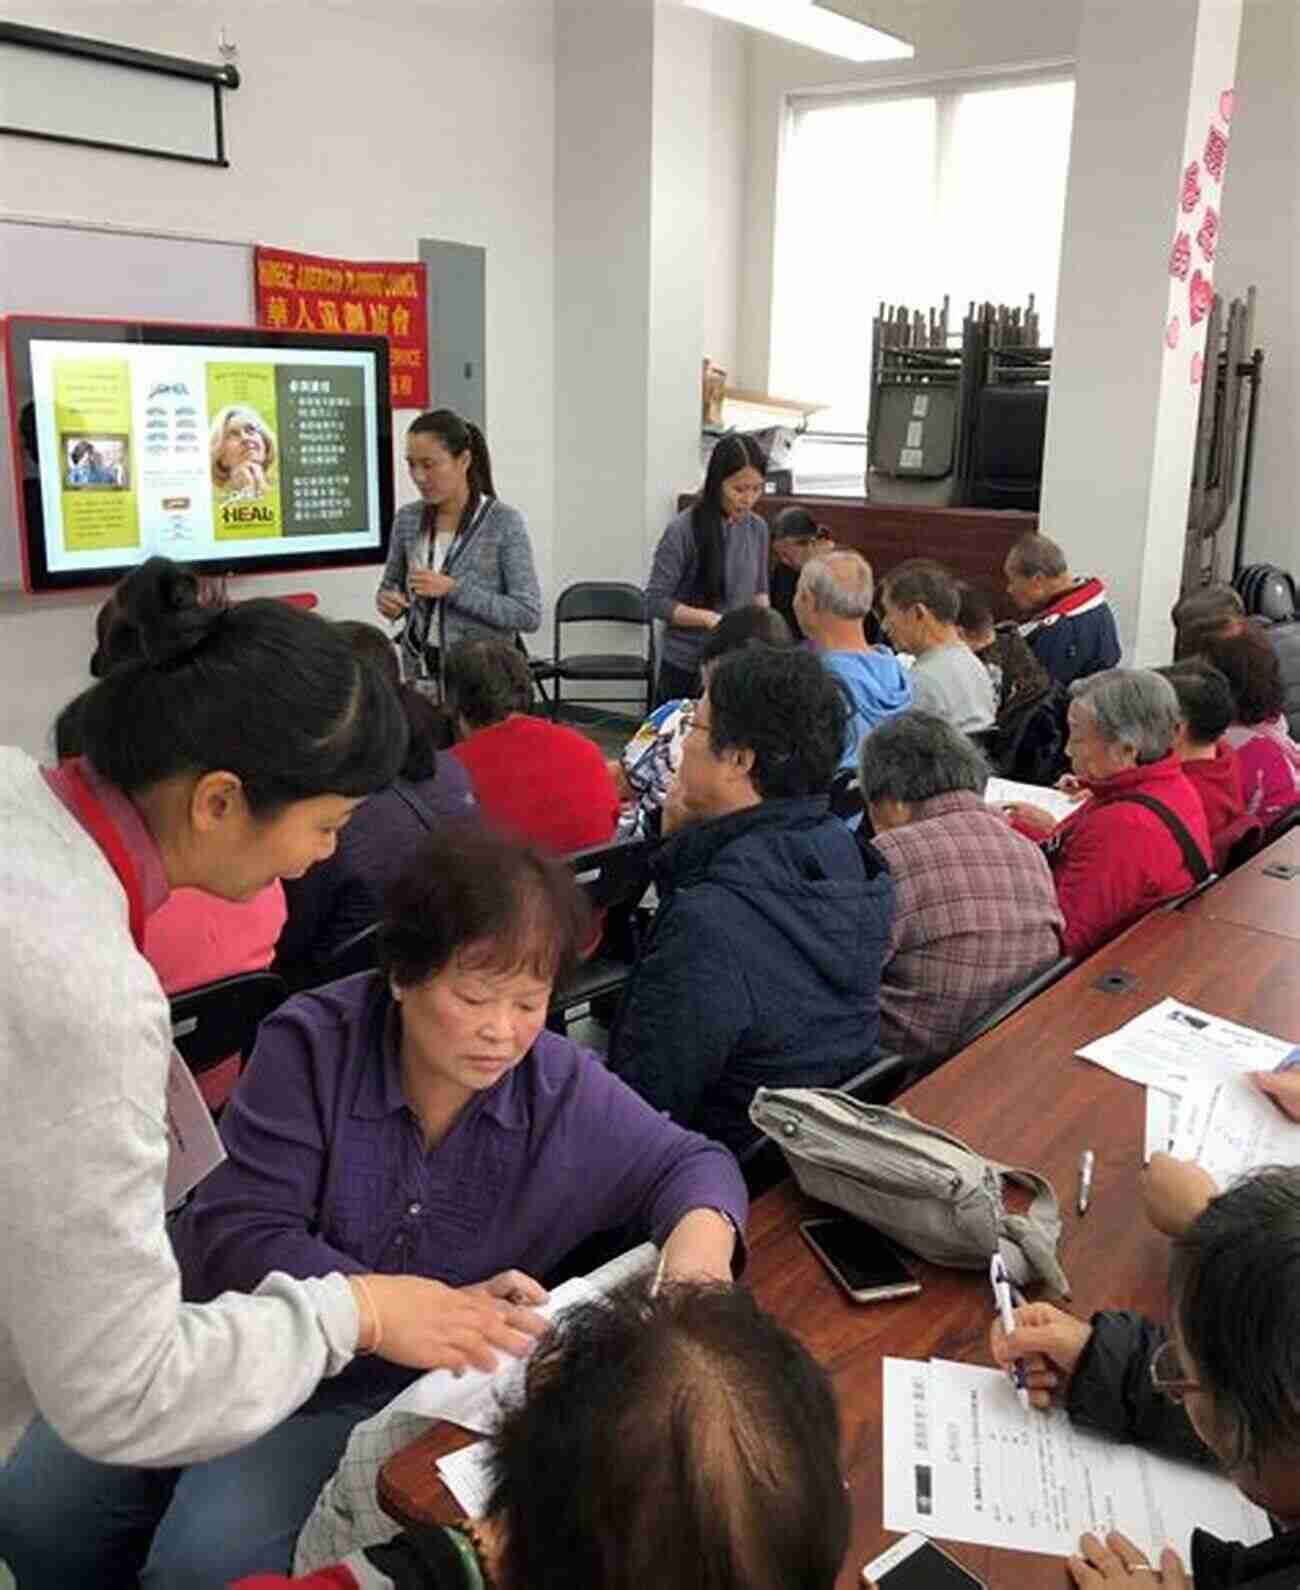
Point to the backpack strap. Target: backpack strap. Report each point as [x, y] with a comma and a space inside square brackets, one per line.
[1193, 859]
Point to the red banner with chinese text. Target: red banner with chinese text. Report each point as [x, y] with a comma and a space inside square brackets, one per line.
[306, 292]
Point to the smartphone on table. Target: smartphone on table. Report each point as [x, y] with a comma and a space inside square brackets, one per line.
[916, 1563]
[866, 1265]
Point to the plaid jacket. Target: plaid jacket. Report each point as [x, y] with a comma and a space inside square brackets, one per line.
[975, 916]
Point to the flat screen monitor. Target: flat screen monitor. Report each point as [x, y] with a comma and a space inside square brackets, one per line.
[231, 450]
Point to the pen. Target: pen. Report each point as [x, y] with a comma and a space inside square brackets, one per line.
[1002, 1298]
[1086, 1161]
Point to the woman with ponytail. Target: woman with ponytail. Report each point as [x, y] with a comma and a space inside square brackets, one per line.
[227, 752]
[460, 566]
[712, 557]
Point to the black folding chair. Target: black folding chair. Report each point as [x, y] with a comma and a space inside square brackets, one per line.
[220, 1019]
[614, 878]
[360, 953]
[601, 602]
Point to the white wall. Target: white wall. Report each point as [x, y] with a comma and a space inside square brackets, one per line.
[358, 129]
[949, 36]
[728, 192]
[603, 99]
[1261, 247]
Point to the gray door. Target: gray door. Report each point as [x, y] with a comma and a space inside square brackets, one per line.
[456, 336]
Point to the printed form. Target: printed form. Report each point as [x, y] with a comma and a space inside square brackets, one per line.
[964, 1461]
[474, 1401]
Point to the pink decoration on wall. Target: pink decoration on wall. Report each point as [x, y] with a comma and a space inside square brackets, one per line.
[1172, 332]
[1180, 257]
[1198, 368]
[1208, 237]
[1191, 188]
[1216, 153]
[1200, 297]
[1227, 104]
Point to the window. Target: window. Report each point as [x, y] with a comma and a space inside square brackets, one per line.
[902, 197]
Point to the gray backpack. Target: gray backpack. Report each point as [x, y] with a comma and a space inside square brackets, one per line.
[919, 1185]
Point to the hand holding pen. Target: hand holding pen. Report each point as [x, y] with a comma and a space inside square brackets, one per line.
[1001, 1284]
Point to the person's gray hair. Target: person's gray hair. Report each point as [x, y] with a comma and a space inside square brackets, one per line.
[1034, 554]
[914, 756]
[839, 582]
[1133, 707]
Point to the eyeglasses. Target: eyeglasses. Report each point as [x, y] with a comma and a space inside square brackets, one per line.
[1167, 1374]
[691, 718]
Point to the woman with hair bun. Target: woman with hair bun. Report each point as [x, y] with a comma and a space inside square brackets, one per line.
[228, 753]
[460, 566]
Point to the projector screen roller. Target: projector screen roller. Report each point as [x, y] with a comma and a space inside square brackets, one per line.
[227, 449]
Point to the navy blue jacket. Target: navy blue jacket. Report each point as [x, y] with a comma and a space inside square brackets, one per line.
[762, 968]
[1075, 636]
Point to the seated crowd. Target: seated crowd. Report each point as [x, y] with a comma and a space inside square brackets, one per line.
[415, 1135]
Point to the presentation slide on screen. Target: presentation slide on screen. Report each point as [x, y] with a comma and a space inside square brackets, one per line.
[203, 452]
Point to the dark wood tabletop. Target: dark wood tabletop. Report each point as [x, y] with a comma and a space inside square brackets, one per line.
[1255, 895]
[1020, 1095]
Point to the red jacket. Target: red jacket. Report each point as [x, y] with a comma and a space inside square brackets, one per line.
[1113, 860]
[542, 782]
[1218, 782]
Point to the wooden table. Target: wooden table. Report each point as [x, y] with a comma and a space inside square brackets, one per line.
[1254, 896]
[1019, 1095]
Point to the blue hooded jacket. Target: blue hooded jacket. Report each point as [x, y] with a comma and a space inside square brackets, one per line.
[876, 685]
[762, 968]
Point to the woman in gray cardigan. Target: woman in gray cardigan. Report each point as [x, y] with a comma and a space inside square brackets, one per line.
[460, 565]
[712, 557]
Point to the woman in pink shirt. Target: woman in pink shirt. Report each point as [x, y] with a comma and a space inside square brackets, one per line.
[1268, 757]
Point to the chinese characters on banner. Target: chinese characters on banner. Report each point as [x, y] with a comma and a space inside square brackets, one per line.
[382, 298]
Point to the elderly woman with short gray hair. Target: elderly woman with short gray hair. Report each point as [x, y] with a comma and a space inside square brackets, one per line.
[975, 908]
[1141, 836]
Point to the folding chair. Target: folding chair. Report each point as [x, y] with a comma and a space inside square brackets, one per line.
[211, 1023]
[614, 878]
[601, 602]
[360, 953]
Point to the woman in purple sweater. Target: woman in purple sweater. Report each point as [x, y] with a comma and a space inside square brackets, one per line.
[417, 1120]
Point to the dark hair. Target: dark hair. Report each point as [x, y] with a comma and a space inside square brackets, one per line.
[1204, 698]
[264, 690]
[797, 524]
[459, 436]
[920, 580]
[1212, 610]
[1034, 554]
[732, 454]
[428, 725]
[750, 625]
[914, 756]
[470, 884]
[785, 708]
[678, 1439]
[1249, 664]
[116, 635]
[1234, 1286]
[975, 614]
[486, 680]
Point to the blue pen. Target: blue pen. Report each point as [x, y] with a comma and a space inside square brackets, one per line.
[1001, 1284]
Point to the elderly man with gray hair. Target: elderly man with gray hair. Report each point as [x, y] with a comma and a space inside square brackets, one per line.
[1141, 836]
[975, 908]
[832, 598]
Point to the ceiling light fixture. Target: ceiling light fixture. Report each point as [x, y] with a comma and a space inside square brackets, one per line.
[811, 24]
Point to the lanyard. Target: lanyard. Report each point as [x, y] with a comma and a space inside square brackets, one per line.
[97, 823]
